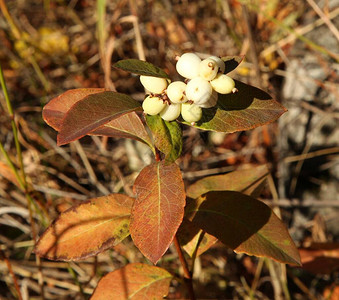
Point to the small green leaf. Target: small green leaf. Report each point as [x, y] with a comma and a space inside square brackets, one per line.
[249, 108]
[232, 62]
[167, 136]
[140, 67]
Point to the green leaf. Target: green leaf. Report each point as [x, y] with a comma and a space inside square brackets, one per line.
[92, 112]
[232, 62]
[158, 209]
[167, 136]
[249, 108]
[126, 126]
[134, 282]
[244, 224]
[140, 67]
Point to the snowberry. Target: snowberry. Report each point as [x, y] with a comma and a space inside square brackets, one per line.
[208, 69]
[223, 84]
[220, 63]
[212, 101]
[198, 90]
[155, 85]
[170, 112]
[176, 92]
[188, 65]
[191, 112]
[153, 105]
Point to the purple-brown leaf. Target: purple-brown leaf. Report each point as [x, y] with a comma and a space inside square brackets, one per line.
[248, 108]
[244, 224]
[54, 111]
[249, 181]
[126, 126]
[92, 112]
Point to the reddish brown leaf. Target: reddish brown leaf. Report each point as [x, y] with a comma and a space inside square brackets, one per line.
[245, 181]
[249, 108]
[320, 258]
[54, 111]
[92, 112]
[125, 126]
[134, 282]
[158, 209]
[244, 224]
[87, 229]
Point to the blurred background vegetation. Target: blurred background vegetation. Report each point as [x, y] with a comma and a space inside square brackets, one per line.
[291, 51]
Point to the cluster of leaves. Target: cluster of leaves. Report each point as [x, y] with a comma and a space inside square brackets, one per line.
[212, 209]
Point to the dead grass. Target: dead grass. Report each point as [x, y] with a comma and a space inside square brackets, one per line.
[48, 47]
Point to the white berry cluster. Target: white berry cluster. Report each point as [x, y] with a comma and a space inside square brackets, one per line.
[205, 79]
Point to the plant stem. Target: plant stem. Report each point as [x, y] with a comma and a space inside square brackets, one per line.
[14, 128]
[22, 180]
[10, 270]
[187, 273]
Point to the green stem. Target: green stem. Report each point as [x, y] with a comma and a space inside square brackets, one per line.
[21, 179]
[14, 128]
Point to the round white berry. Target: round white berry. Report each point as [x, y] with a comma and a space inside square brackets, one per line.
[223, 84]
[208, 69]
[176, 92]
[191, 112]
[170, 112]
[212, 101]
[188, 65]
[198, 90]
[220, 63]
[153, 105]
[155, 85]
